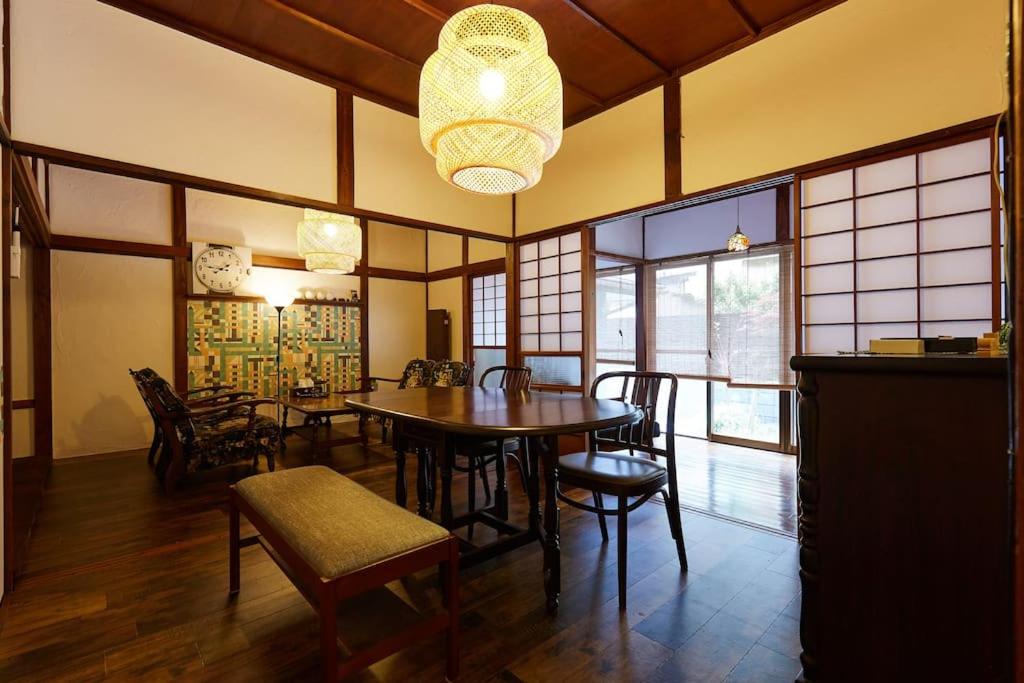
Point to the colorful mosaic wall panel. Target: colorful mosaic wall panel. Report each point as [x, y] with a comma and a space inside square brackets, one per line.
[235, 342]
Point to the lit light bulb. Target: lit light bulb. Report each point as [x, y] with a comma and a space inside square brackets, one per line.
[330, 229]
[492, 85]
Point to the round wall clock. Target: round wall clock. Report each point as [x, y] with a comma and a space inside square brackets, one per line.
[219, 268]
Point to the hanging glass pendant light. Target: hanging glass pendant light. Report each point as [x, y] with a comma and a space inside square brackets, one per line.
[491, 101]
[330, 242]
[737, 241]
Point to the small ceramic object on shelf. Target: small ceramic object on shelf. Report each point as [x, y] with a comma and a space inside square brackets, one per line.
[320, 296]
[354, 295]
[330, 295]
[309, 294]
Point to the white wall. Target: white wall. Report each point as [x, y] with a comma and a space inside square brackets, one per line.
[109, 314]
[398, 326]
[90, 78]
[396, 175]
[107, 206]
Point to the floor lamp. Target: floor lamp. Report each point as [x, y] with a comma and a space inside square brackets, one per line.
[280, 301]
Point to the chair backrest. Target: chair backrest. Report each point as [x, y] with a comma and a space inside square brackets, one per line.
[642, 390]
[141, 378]
[417, 373]
[171, 411]
[512, 378]
[451, 373]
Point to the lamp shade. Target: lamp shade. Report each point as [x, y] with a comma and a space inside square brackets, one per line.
[491, 101]
[331, 243]
[280, 297]
[737, 241]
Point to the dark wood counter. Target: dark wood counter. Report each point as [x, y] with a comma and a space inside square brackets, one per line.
[904, 517]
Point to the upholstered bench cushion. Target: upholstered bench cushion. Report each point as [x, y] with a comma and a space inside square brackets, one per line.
[336, 525]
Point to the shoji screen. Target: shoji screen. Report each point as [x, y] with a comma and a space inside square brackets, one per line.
[551, 309]
[904, 247]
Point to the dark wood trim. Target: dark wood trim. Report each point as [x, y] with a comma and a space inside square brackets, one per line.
[364, 319]
[428, 9]
[673, 135]
[7, 66]
[748, 22]
[479, 268]
[23, 404]
[641, 317]
[346, 150]
[391, 274]
[996, 200]
[129, 170]
[1015, 274]
[465, 250]
[267, 261]
[512, 354]
[180, 275]
[258, 53]
[34, 222]
[6, 222]
[252, 298]
[936, 138]
[798, 306]
[42, 359]
[119, 247]
[594, 20]
[340, 33]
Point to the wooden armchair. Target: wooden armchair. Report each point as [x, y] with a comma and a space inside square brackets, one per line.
[204, 437]
[204, 397]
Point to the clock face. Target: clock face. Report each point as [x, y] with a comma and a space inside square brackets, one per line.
[220, 269]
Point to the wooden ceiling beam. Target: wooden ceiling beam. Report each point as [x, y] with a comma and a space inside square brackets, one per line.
[259, 53]
[338, 32]
[442, 16]
[594, 20]
[748, 22]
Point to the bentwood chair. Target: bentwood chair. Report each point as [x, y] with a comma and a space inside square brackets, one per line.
[481, 454]
[631, 470]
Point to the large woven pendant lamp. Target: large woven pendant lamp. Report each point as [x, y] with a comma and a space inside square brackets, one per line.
[491, 101]
[330, 242]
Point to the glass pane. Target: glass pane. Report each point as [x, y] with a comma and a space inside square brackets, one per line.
[487, 358]
[559, 370]
[691, 408]
[615, 312]
[681, 319]
[745, 413]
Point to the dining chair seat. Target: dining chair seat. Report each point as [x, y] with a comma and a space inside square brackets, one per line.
[615, 473]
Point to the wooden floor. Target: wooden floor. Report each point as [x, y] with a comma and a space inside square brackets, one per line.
[743, 484]
[124, 583]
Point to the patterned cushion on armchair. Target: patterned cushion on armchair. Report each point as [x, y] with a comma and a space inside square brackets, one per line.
[451, 373]
[417, 373]
[229, 440]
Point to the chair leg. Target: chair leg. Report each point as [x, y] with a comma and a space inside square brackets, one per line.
[486, 480]
[233, 559]
[471, 476]
[452, 605]
[623, 504]
[599, 503]
[675, 523]
[328, 636]
[154, 447]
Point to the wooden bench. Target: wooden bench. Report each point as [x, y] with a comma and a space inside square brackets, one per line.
[335, 539]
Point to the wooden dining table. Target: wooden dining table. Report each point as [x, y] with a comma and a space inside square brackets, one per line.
[436, 418]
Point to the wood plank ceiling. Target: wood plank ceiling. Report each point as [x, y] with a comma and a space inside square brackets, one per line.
[607, 50]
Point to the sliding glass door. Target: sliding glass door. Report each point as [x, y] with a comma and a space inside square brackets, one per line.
[615, 314]
[720, 323]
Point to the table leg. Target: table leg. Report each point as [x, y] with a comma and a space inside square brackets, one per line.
[284, 428]
[445, 454]
[315, 425]
[422, 485]
[533, 448]
[552, 552]
[400, 484]
[501, 482]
